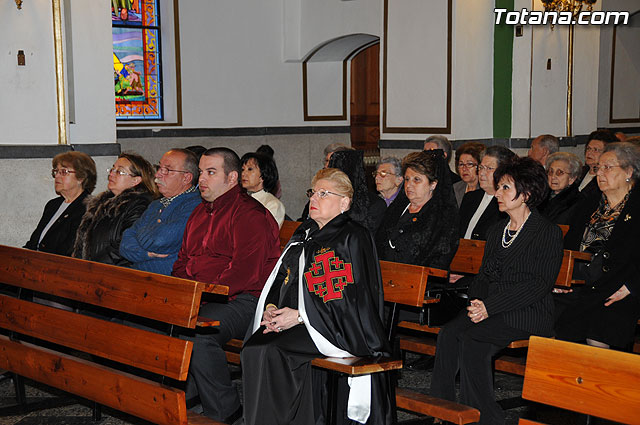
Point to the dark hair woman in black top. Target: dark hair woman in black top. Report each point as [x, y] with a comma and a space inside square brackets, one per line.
[511, 296]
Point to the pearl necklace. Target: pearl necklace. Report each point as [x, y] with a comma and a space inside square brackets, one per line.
[507, 244]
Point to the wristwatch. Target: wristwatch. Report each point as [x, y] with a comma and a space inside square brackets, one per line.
[300, 319]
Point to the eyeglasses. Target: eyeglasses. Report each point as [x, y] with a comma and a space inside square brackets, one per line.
[166, 170]
[118, 171]
[594, 150]
[63, 172]
[382, 174]
[483, 168]
[467, 165]
[557, 173]
[604, 168]
[321, 193]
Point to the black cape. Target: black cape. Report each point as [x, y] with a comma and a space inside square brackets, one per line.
[348, 313]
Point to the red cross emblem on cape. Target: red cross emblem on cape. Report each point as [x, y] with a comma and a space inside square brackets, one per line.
[328, 275]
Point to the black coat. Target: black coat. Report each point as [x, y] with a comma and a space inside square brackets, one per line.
[431, 240]
[106, 218]
[489, 217]
[516, 282]
[561, 208]
[620, 265]
[61, 235]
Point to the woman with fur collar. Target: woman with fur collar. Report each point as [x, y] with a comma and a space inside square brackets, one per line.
[109, 214]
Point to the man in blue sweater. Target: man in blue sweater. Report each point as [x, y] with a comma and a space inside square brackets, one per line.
[153, 242]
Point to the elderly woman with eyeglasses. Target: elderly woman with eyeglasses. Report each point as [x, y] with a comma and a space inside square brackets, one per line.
[605, 310]
[74, 178]
[467, 159]
[130, 190]
[563, 171]
[324, 298]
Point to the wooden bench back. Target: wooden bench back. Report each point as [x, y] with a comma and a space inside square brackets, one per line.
[153, 296]
[468, 260]
[167, 300]
[405, 283]
[584, 379]
[286, 231]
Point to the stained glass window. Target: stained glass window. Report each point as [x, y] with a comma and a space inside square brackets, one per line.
[136, 59]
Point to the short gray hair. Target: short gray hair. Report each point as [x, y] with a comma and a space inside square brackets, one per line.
[395, 163]
[335, 147]
[190, 163]
[628, 156]
[550, 142]
[443, 143]
[575, 165]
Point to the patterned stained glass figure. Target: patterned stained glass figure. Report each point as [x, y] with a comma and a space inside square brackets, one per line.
[136, 59]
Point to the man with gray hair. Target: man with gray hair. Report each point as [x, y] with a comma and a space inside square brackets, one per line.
[440, 142]
[153, 242]
[388, 176]
[543, 146]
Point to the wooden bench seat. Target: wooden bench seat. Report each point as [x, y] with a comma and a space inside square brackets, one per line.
[111, 362]
[589, 380]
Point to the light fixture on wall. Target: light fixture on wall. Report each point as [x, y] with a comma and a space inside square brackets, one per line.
[575, 7]
[19, 4]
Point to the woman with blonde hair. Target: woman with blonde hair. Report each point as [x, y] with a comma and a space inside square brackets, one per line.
[323, 298]
[109, 214]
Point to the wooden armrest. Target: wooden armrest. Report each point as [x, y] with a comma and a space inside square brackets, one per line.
[431, 300]
[203, 322]
[436, 407]
[213, 288]
[521, 343]
[577, 282]
[357, 365]
[437, 272]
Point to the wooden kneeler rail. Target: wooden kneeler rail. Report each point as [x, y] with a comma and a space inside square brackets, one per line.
[114, 364]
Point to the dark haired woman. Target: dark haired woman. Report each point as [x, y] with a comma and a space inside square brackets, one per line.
[74, 175]
[511, 296]
[468, 157]
[424, 229]
[259, 177]
[109, 214]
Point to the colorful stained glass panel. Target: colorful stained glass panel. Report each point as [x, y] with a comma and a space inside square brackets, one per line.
[136, 60]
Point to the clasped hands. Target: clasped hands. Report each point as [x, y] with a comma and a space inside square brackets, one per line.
[476, 311]
[278, 319]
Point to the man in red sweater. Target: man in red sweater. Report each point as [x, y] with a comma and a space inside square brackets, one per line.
[230, 239]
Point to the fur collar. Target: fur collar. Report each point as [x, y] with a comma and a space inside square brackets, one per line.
[103, 205]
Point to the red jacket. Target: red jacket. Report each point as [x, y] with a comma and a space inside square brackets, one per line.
[231, 241]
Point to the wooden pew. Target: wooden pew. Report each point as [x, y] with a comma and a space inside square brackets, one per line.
[82, 341]
[404, 284]
[590, 380]
[286, 231]
[467, 261]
